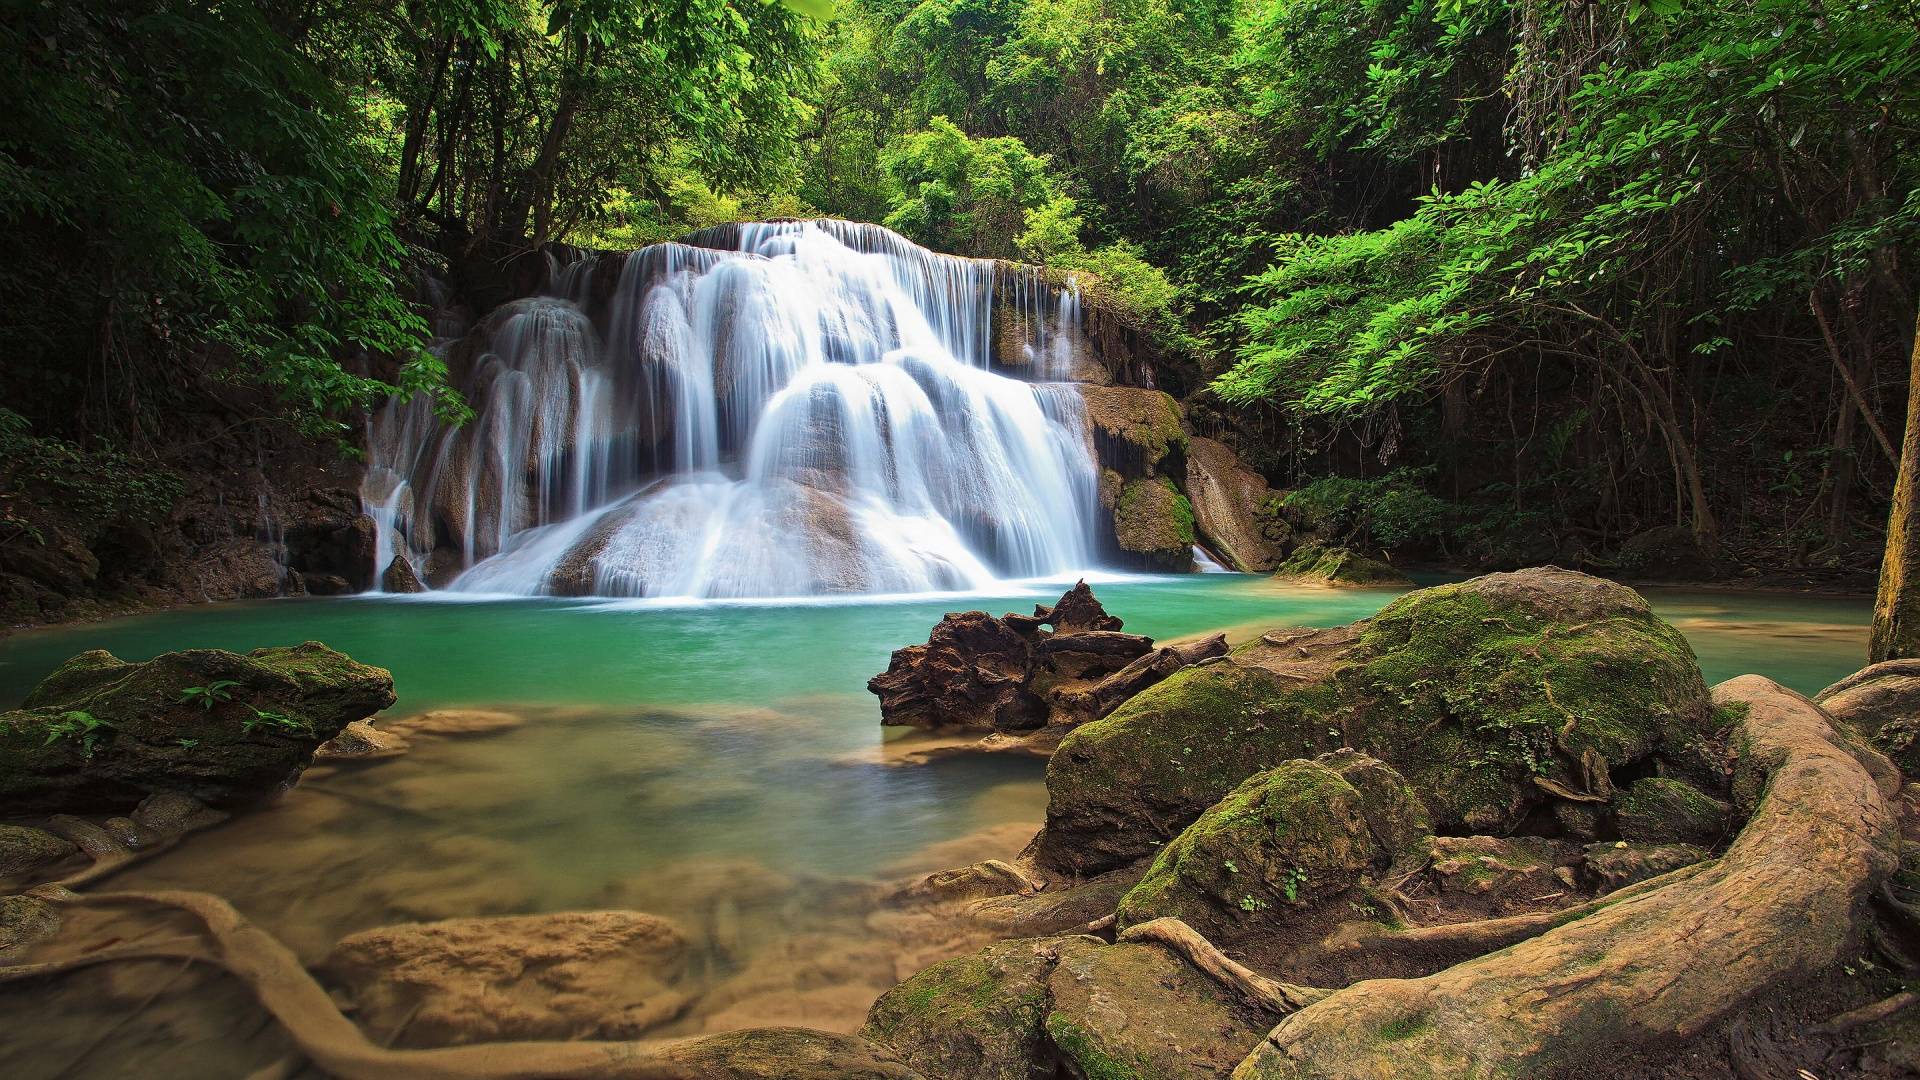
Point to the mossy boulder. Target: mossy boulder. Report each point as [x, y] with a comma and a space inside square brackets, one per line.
[1043, 1008]
[101, 734]
[1338, 566]
[1138, 1012]
[1663, 810]
[1287, 838]
[979, 1016]
[1153, 524]
[1493, 697]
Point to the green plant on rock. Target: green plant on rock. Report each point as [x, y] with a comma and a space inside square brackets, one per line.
[81, 726]
[270, 718]
[208, 696]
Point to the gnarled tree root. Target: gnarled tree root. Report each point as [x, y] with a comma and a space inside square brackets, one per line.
[1664, 962]
[1278, 998]
[327, 1038]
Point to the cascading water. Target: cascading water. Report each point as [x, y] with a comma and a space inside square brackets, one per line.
[764, 410]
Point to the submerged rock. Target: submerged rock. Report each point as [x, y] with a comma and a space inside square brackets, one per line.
[361, 741]
[23, 849]
[1493, 697]
[456, 722]
[24, 922]
[568, 975]
[1228, 502]
[101, 734]
[1338, 566]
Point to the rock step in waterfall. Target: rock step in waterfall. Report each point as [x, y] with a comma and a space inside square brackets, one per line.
[769, 410]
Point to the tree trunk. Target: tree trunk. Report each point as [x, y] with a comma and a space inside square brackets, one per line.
[1896, 611]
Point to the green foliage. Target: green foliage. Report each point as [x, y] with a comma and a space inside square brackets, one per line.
[91, 487]
[180, 186]
[80, 726]
[208, 696]
[1388, 511]
[972, 196]
[258, 718]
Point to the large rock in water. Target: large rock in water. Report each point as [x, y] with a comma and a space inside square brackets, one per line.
[101, 734]
[1494, 698]
[1228, 501]
[1010, 674]
[1338, 566]
[1153, 524]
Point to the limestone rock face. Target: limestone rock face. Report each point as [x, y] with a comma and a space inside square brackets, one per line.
[100, 734]
[1492, 697]
[569, 975]
[1228, 501]
[1135, 431]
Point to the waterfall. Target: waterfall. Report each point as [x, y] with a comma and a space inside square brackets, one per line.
[761, 410]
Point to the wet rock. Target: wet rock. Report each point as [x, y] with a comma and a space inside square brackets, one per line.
[569, 975]
[23, 849]
[1448, 685]
[100, 734]
[1881, 703]
[456, 722]
[1286, 838]
[1338, 566]
[1008, 674]
[981, 1016]
[1615, 865]
[1228, 501]
[786, 1054]
[1153, 524]
[971, 673]
[361, 741]
[24, 922]
[1661, 810]
[400, 578]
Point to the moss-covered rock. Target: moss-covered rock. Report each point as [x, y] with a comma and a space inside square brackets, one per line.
[982, 1015]
[785, 1054]
[1135, 431]
[1338, 566]
[101, 734]
[1288, 837]
[1492, 697]
[1138, 1012]
[1617, 864]
[1662, 810]
[1513, 867]
[1153, 524]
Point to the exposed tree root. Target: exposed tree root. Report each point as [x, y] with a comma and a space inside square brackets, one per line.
[1661, 962]
[1868, 1014]
[326, 1037]
[1279, 998]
